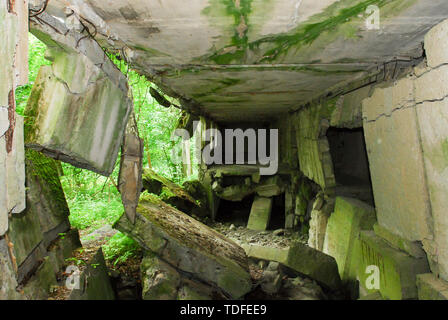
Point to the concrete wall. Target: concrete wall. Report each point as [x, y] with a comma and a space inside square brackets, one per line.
[33, 211]
[405, 124]
[406, 133]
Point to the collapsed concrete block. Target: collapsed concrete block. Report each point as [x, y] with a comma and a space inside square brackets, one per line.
[172, 193]
[303, 259]
[396, 270]
[160, 281]
[318, 224]
[189, 245]
[271, 187]
[349, 218]
[431, 288]
[94, 281]
[398, 174]
[414, 248]
[432, 85]
[260, 214]
[436, 47]
[45, 196]
[131, 166]
[39, 285]
[432, 118]
[76, 113]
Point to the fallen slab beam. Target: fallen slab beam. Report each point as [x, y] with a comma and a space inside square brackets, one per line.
[260, 214]
[189, 246]
[303, 259]
[172, 193]
[79, 106]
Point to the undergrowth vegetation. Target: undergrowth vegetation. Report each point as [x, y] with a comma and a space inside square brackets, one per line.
[93, 199]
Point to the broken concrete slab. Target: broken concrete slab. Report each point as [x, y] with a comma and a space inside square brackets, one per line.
[260, 214]
[45, 196]
[38, 287]
[172, 193]
[431, 288]
[413, 248]
[94, 281]
[189, 246]
[302, 259]
[160, 281]
[76, 113]
[270, 187]
[131, 167]
[320, 213]
[349, 218]
[397, 270]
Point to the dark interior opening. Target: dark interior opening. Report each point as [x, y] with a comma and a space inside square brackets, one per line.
[278, 213]
[236, 212]
[351, 166]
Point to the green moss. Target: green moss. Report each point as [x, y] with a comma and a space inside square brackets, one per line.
[236, 50]
[342, 18]
[45, 170]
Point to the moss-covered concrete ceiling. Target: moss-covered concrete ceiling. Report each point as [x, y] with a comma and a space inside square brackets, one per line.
[253, 60]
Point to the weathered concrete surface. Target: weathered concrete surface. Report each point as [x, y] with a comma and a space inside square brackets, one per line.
[436, 46]
[76, 113]
[15, 173]
[131, 167]
[303, 259]
[46, 198]
[431, 288]
[397, 270]
[320, 213]
[433, 123]
[94, 281]
[172, 194]
[8, 282]
[396, 163]
[413, 248]
[163, 282]
[260, 214]
[349, 218]
[218, 57]
[189, 246]
[312, 144]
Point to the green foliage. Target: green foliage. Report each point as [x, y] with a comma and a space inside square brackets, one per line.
[120, 248]
[36, 59]
[93, 199]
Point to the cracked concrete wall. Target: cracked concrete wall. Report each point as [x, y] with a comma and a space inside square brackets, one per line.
[14, 72]
[406, 135]
[79, 106]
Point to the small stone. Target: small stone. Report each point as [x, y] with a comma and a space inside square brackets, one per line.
[279, 232]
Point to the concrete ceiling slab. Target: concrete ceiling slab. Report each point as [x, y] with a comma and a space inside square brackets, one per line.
[243, 60]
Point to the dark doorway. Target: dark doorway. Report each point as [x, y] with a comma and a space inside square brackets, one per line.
[236, 212]
[277, 213]
[350, 162]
